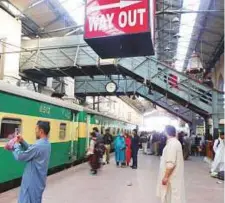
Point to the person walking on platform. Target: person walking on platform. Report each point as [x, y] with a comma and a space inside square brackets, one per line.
[37, 159]
[120, 148]
[134, 148]
[170, 186]
[108, 139]
[100, 142]
[128, 148]
[218, 163]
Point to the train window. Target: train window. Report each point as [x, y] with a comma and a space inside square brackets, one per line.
[10, 127]
[62, 131]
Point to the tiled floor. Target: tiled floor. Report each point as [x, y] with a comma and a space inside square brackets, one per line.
[76, 185]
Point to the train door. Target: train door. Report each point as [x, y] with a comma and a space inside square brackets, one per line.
[74, 132]
[88, 130]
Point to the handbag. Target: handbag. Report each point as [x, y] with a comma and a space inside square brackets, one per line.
[10, 144]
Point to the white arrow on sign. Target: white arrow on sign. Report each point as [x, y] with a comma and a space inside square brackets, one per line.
[121, 4]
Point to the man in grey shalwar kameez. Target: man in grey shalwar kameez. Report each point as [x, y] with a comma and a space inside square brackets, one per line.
[37, 158]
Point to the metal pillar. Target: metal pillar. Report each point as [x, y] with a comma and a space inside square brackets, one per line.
[49, 82]
[215, 126]
[215, 117]
[94, 103]
[98, 105]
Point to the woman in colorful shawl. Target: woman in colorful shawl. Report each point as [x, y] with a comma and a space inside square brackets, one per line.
[120, 148]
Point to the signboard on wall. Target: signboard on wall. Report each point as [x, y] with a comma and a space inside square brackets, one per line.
[124, 25]
[115, 17]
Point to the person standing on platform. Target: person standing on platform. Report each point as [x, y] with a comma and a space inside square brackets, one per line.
[197, 145]
[170, 186]
[187, 146]
[218, 163]
[37, 158]
[162, 143]
[108, 139]
[128, 148]
[120, 148]
[135, 148]
[93, 155]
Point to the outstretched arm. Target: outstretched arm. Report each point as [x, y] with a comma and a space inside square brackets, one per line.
[26, 155]
[25, 145]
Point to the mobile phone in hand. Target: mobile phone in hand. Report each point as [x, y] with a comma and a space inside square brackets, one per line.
[17, 131]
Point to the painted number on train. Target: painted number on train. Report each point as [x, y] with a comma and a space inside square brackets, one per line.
[45, 109]
[115, 17]
[66, 113]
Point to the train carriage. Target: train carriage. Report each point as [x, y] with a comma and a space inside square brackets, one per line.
[70, 125]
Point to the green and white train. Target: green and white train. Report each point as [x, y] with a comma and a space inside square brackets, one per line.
[70, 127]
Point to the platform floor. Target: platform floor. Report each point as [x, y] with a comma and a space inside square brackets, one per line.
[111, 184]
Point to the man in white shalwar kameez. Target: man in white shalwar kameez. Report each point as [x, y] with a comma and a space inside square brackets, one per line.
[218, 163]
[170, 187]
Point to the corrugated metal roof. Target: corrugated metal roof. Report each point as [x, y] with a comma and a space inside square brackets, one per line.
[208, 34]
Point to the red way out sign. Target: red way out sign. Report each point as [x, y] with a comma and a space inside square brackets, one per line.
[106, 18]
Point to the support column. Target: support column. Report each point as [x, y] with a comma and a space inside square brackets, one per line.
[215, 126]
[190, 125]
[98, 104]
[93, 102]
[215, 115]
[49, 82]
[207, 129]
[193, 125]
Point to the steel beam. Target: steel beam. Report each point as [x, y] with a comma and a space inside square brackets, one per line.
[174, 12]
[218, 52]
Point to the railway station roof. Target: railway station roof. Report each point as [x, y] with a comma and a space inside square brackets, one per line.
[182, 26]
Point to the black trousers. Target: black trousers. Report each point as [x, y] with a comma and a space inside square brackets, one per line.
[135, 158]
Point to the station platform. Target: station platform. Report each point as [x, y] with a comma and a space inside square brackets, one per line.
[111, 184]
